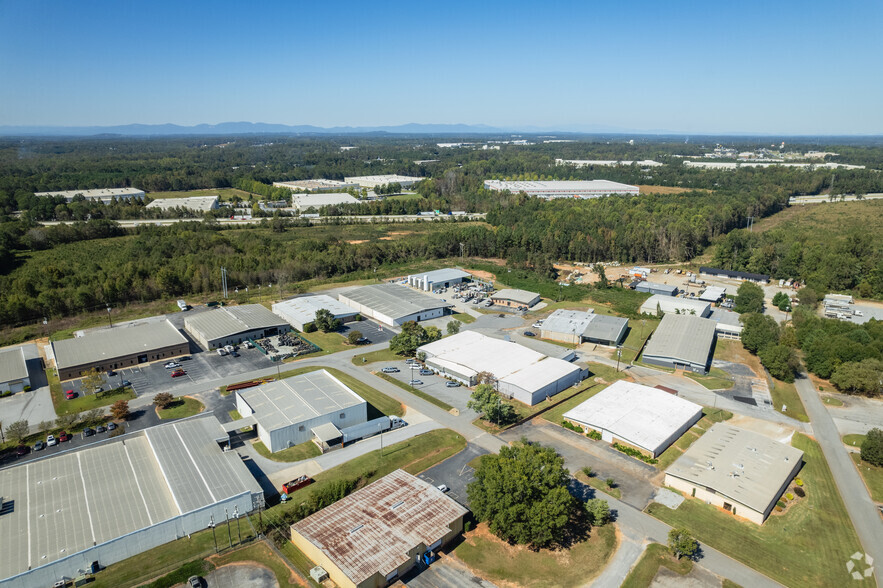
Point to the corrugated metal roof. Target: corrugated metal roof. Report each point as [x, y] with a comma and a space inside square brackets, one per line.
[733, 274]
[197, 203]
[443, 275]
[300, 311]
[520, 296]
[13, 365]
[120, 341]
[672, 304]
[293, 400]
[393, 300]
[743, 465]
[605, 327]
[638, 414]
[373, 529]
[326, 432]
[713, 294]
[682, 337]
[568, 322]
[645, 286]
[232, 320]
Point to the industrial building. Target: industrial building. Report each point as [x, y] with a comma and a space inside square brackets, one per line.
[674, 305]
[394, 304]
[607, 162]
[317, 185]
[194, 203]
[682, 341]
[105, 195]
[521, 373]
[377, 534]
[311, 406]
[513, 297]
[727, 323]
[118, 497]
[740, 471]
[118, 347]
[549, 189]
[14, 375]
[578, 326]
[372, 182]
[722, 273]
[838, 306]
[643, 418]
[300, 312]
[231, 325]
[304, 202]
[713, 294]
[654, 288]
[442, 278]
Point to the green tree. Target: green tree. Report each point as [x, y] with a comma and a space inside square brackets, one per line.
[598, 510]
[602, 282]
[326, 322]
[682, 544]
[485, 401]
[412, 337]
[749, 298]
[66, 421]
[872, 447]
[522, 494]
[453, 327]
[758, 331]
[781, 361]
[17, 431]
[859, 377]
[163, 399]
[353, 337]
[808, 297]
[92, 380]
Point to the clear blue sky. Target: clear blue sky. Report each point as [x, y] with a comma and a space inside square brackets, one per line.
[769, 67]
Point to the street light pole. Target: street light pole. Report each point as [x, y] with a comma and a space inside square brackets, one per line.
[109, 317]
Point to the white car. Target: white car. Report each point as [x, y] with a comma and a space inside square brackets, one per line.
[443, 488]
[51, 441]
[222, 351]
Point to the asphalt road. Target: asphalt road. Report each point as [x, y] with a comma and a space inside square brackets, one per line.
[862, 510]
[455, 473]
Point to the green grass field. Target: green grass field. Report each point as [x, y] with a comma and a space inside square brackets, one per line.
[261, 553]
[375, 356]
[717, 379]
[183, 406]
[873, 476]
[517, 565]
[639, 331]
[785, 393]
[462, 317]
[796, 548]
[654, 557]
[831, 401]
[328, 342]
[854, 440]
[82, 403]
[300, 452]
[598, 484]
[415, 391]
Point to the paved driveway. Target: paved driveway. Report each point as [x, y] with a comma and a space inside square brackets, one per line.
[455, 473]
[374, 331]
[241, 576]
[444, 574]
[433, 385]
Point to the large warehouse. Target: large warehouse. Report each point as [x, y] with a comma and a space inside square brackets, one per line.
[14, 375]
[377, 534]
[441, 278]
[739, 471]
[316, 185]
[194, 203]
[523, 374]
[655, 288]
[105, 195]
[513, 297]
[116, 498]
[674, 305]
[303, 202]
[231, 325]
[549, 189]
[682, 341]
[394, 304]
[299, 409]
[300, 312]
[372, 182]
[118, 347]
[641, 417]
[577, 326]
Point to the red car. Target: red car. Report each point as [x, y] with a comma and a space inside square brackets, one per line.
[177, 373]
[63, 436]
[70, 394]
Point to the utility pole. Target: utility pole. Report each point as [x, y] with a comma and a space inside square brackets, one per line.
[212, 526]
[224, 281]
[229, 534]
[109, 317]
[618, 355]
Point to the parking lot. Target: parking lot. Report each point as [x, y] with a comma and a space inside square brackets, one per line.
[455, 473]
[433, 385]
[373, 331]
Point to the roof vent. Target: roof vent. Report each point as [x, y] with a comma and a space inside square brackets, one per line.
[398, 504]
[354, 529]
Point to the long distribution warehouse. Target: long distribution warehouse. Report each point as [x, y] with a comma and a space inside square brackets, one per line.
[563, 188]
[394, 304]
[116, 498]
[521, 373]
[120, 346]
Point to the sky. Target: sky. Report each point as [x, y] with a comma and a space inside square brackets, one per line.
[785, 67]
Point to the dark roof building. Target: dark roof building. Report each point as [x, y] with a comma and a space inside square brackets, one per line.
[713, 271]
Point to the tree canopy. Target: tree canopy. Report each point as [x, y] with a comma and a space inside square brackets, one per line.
[486, 402]
[749, 298]
[872, 447]
[413, 336]
[326, 322]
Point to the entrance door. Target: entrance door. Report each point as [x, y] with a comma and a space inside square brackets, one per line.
[728, 506]
[142, 359]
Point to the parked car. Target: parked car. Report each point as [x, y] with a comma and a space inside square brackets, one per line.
[172, 365]
[425, 372]
[100, 429]
[194, 582]
[390, 370]
[416, 382]
[51, 441]
[363, 341]
[185, 358]
[39, 446]
[70, 394]
[248, 345]
[63, 436]
[529, 334]
[22, 450]
[450, 384]
[126, 383]
[111, 373]
[443, 488]
[222, 351]
[410, 360]
[88, 432]
[234, 354]
[229, 348]
[179, 372]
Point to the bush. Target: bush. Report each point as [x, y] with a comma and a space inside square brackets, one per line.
[120, 430]
[467, 526]
[587, 471]
[571, 426]
[789, 496]
[780, 504]
[598, 510]
[310, 328]
[593, 434]
[872, 447]
[798, 481]
[611, 483]
[800, 492]
[634, 453]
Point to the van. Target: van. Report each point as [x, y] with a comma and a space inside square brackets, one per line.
[222, 351]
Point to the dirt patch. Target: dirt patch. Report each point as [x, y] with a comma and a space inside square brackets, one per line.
[482, 275]
[358, 241]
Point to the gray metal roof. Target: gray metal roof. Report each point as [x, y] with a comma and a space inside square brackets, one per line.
[326, 432]
[604, 327]
[68, 502]
[683, 337]
[740, 464]
[522, 296]
[232, 320]
[713, 293]
[299, 398]
[444, 275]
[373, 529]
[13, 365]
[570, 322]
[197, 203]
[394, 300]
[645, 286]
[121, 340]
[300, 311]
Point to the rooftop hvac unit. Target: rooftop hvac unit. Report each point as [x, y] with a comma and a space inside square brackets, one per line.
[319, 574]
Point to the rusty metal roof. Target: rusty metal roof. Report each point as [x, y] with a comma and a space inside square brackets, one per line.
[373, 529]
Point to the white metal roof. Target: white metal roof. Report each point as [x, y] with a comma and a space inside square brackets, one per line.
[443, 275]
[605, 327]
[740, 464]
[607, 162]
[121, 340]
[96, 194]
[380, 180]
[198, 203]
[13, 365]
[299, 398]
[562, 187]
[315, 184]
[231, 320]
[305, 201]
[300, 311]
[682, 337]
[713, 293]
[673, 304]
[641, 415]
[521, 296]
[393, 300]
[570, 322]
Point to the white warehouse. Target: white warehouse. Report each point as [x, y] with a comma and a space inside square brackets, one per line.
[521, 373]
[549, 189]
[441, 278]
[675, 305]
[311, 406]
[394, 304]
[300, 312]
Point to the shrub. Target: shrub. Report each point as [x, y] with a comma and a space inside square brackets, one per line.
[467, 526]
[798, 481]
[310, 328]
[611, 483]
[800, 492]
[593, 434]
[634, 453]
[587, 471]
[599, 510]
[27, 388]
[780, 504]
[120, 430]
[789, 496]
[571, 426]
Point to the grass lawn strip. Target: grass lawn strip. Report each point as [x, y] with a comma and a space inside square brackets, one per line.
[375, 356]
[328, 343]
[261, 554]
[306, 450]
[717, 379]
[655, 556]
[463, 317]
[419, 393]
[83, 403]
[599, 484]
[300, 561]
[872, 475]
[796, 548]
[784, 393]
[491, 558]
[854, 440]
[183, 406]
